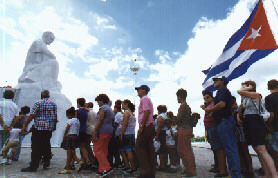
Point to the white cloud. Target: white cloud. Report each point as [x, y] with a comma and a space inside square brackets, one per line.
[103, 0]
[210, 37]
[103, 22]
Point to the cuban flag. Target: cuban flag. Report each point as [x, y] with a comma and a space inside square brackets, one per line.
[252, 42]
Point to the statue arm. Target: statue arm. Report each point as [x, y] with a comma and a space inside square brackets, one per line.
[42, 48]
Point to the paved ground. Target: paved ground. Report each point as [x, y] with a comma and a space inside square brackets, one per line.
[204, 158]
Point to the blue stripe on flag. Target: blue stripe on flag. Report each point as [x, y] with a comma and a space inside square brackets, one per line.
[222, 67]
[242, 68]
[242, 31]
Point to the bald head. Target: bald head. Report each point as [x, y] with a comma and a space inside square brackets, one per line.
[48, 37]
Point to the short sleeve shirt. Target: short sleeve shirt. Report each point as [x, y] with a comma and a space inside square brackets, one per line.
[91, 122]
[14, 134]
[82, 116]
[107, 124]
[45, 112]
[119, 120]
[271, 104]
[74, 126]
[170, 140]
[208, 120]
[223, 94]
[8, 111]
[145, 105]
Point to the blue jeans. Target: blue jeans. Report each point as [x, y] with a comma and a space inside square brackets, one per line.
[226, 129]
[3, 138]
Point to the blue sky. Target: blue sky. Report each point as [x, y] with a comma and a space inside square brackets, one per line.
[97, 40]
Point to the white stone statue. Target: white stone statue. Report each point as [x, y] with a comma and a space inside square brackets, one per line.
[41, 64]
[41, 73]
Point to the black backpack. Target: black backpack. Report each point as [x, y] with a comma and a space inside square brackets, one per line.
[195, 119]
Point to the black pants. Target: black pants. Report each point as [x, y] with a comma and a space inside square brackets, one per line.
[113, 151]
[41, 147]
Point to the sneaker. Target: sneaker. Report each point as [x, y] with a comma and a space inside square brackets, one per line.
[4, 160]
[106, 173]
[9, 162]
[80, 166]
[65, 172]
[28, 169]
[130, 172]
[46, 165]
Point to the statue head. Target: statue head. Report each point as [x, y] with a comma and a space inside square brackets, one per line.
[48, 37]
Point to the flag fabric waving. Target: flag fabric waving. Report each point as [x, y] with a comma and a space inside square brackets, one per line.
[252, 42]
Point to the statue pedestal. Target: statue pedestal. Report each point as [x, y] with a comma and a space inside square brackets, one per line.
[30, 93]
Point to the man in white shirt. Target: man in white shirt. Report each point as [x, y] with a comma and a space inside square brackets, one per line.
[8, 111]
[90, 126]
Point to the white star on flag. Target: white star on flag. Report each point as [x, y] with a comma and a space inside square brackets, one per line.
[255, 33]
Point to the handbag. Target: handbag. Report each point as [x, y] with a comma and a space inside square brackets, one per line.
[262, 111]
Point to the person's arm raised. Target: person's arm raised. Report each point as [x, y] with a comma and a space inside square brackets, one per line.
[249, 92]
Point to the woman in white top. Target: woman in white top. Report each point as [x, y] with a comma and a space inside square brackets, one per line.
[127, 137]
[254, 127]
[71, 141]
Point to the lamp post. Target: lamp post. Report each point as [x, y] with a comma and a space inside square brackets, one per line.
[134, 68]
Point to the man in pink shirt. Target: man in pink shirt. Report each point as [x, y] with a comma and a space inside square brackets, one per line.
[144, 144]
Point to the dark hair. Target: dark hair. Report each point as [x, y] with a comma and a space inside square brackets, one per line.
[17, 125]
[130, 105]
[208, 93]
[25, 110]
[45, 94]
[90, 104]
[272, 84]
[182, 93]
[233, 99]
[81, 101]
[170, 114]
[155, 117]
[162, 108]
[248, 83]
[118, 102]
[168, 121]
[102, 97]
[8, 94]
[70, 111]
[118, 107]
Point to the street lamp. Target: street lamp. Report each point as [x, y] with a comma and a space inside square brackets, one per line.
[134, 68]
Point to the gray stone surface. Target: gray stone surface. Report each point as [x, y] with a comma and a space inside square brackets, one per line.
[204, 158]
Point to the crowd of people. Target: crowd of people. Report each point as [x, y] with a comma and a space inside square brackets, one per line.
[230, 129]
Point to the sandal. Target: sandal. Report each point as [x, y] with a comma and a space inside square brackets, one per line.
[65, 172]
